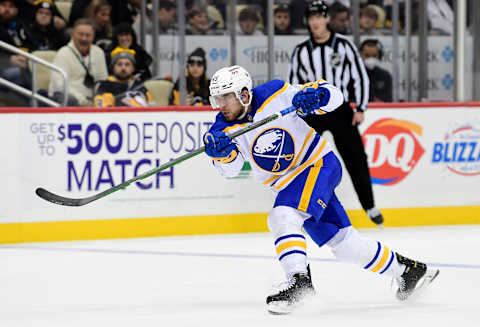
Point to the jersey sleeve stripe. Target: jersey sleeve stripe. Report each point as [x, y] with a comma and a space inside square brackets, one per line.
[270, 98]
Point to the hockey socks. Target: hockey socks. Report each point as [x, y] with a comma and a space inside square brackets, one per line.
[349, 246]
[285, 223]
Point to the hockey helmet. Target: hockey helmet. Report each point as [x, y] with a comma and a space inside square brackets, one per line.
[233, 79]
[316, 7]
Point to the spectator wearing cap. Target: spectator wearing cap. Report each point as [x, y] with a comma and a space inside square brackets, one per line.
[122, 88]
[42, 31]
[125, 37]
[84, 63]
[13, 31]
[248, 19]
[197, 81]
[282, 19]
[28, 8]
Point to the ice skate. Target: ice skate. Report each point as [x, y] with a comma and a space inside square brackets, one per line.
[376, 216]
[286, 300]
[415, 277]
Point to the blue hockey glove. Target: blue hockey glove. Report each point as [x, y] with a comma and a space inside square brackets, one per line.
[219, 146]
[309, 99]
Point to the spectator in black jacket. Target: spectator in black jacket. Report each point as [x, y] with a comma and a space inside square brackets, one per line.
[14, 67]
[124, 11]
[42, 31]
[78, 10]
[122, 88]
[28, 8]
[99, 13]
[125, 37]
[371, 51]
[197, 81]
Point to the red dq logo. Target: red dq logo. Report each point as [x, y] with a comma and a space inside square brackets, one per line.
[393, 149]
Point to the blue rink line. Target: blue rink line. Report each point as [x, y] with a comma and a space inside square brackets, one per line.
[197, 254]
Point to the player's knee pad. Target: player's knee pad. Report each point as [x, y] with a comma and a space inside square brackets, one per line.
[349, 246]
[283, 220]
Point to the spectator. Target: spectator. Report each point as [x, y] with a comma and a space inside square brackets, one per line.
[122, 88]
[78, 10]
[368, 20]
[166, 19]
[339, 18]
[297, 8]
[371, 51]
[197, 81]
[99, 12]
[84, 63]
[197, 21]
[124, 11]
[282, 19]
[248, 19]
[12, 31]
[124, 36]
[42, 31]
[28, 9]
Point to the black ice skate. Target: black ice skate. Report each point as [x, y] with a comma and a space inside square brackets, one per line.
[376, 216]
[299, 287]
[415, 277]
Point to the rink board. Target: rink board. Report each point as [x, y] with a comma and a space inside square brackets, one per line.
[424, 161]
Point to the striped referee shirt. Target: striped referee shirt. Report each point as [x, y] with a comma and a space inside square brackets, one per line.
[336, 61]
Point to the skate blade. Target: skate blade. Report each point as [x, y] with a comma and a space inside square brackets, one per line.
[429, 277]
[280, 308]
[422, 284]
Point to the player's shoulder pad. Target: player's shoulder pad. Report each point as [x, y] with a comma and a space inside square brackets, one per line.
[262, 92]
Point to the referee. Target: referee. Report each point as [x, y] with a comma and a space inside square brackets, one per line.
[332, 57]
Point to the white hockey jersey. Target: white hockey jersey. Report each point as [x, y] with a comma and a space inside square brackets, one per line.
[280, 150]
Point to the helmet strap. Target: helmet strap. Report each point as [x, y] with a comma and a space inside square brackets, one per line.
[245, 105]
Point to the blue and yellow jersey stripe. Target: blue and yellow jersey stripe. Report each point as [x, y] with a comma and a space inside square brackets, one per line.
[282, 182]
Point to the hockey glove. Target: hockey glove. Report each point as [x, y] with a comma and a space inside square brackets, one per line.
[309, 99]
[219, 146]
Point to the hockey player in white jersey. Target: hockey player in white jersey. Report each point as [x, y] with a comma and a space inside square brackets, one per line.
[299, 165]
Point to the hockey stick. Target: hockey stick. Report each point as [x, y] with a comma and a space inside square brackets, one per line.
[57, 199]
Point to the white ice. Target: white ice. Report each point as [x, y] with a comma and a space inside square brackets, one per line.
[223, 280]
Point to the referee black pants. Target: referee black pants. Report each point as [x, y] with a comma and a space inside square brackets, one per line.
[350, 146]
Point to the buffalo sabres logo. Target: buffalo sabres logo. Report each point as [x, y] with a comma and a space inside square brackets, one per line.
[335, 59]
[273, 150]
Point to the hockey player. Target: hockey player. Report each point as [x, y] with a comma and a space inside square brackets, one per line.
[300, 167]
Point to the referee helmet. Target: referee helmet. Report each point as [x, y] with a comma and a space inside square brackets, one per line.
[316, 7]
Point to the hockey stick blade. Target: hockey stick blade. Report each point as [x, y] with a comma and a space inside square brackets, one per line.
[76, 202]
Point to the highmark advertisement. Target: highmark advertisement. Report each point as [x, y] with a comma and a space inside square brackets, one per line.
[78, 155]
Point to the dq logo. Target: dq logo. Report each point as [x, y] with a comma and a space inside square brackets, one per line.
[392, 149]
[273, 150]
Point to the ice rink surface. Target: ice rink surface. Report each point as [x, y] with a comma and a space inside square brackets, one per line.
[223, 280]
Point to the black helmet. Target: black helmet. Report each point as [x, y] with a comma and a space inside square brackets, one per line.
[316, 7]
